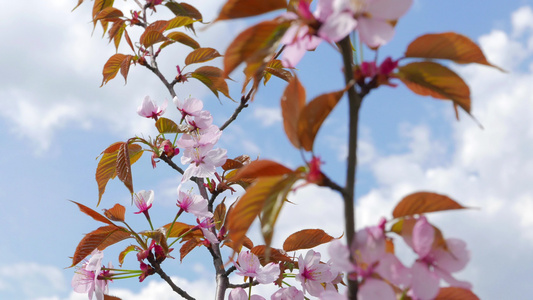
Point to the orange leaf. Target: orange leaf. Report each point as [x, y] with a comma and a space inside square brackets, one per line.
[276, 68]
[213, 78]
[231, 164]
[99, 5]
[313, 115]
[448, 45]
[125, 67]
[188, 247]
[182, 38]
[111, 67]
[254, 45]
[99, 239]
[108, 297]
[306, 239]
[179, 21]
[292, 103]
[249, 206]
[106, 168]
[234, 9]
[178, 229]
[116, 213]
[424, 202]
[455, 293]
[93, 214]
[122, 254]
[261, 168]
[275, 255]
[184, 9]
[153, 33]
[435, 80]
[201, 55]
[109, 13]
[219, 215]
[124, 167]
[116, 32]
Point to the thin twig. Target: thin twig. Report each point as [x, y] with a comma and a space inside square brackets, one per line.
[171, 163]
[242, 285]
[156, 71]
[165, 277]
[242, 105]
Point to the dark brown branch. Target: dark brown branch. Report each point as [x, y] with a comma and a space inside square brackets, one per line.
[165, 277]
[242, 285]
[156, 71]
[354, 104]
[242, 105]
[171, 163]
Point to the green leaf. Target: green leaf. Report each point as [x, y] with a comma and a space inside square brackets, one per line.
[435, 80]
[165, 125]
[179, 21]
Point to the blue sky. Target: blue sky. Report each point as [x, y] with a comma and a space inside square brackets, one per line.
[55, 120]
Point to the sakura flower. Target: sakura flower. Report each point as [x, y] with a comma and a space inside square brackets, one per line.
[194, 204]
[189, 107]
[88, 278]
[202, 163]
[240, 294]
[248, 265]
[313, 273]
[205, 138]
[205, 225]
[374, 19]
[143, 200]
[288, 293]
[435, 263]
[149, 109]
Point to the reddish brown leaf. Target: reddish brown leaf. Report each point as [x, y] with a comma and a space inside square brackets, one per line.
[153, 34]
[116, 32]
[313, 115]
[112, 66]
[237, 248]
[182, 38]
[231, 164]
[188, 247]
[128, 40]
[125, 67]
[275, 68]
[275, 255]
[213, 78]
[109, 13]
[184, 9]
[100, 5]
[219, 215]
[99, 239]
[116, 213]
[455, 293]
[124, 252]
[201, 55]
[178, 229]
[424, 202]
[123, 168]
[165, 125]
[254, 45]
[448, 45]
[234, 9]
[435, 80]
[273, 205]
[79, 3]
[261, 168]
[93, 214]
[292, 103]
[249, 206]
[109, 297]
[179, 21]
[306, 239]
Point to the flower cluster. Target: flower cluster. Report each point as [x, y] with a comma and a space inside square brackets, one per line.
[335, 19]
[91, 278]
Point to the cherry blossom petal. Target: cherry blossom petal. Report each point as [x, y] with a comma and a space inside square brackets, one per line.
[391, 269]
[425, 284]
[290, 293]
[373, 289]
[247, 264]
[370, 243]
[451, 280]
[373, 32]
[337, 27]
[340, 257]
[455, 259]
[423, 236]
[268, 273]
[332, 295]
[388, 9]
[238, 294]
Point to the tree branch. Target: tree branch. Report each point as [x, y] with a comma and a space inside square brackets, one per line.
[242, 105]
[165, 277]
[171, 163]
[354, 104]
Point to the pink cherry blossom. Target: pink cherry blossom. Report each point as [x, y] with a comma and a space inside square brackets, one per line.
[143, 200]
[205, 225]
[435, 263]
[149, 109]
[194, 204]
[288, 293]
[86, 279]
[202, 163]
[189, 107]
[373, 19]
[312, 273]
[240, 294]
[248, 265]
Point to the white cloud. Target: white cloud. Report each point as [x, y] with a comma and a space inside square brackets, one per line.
[267, 116]
[522, 20]
[28, 280]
